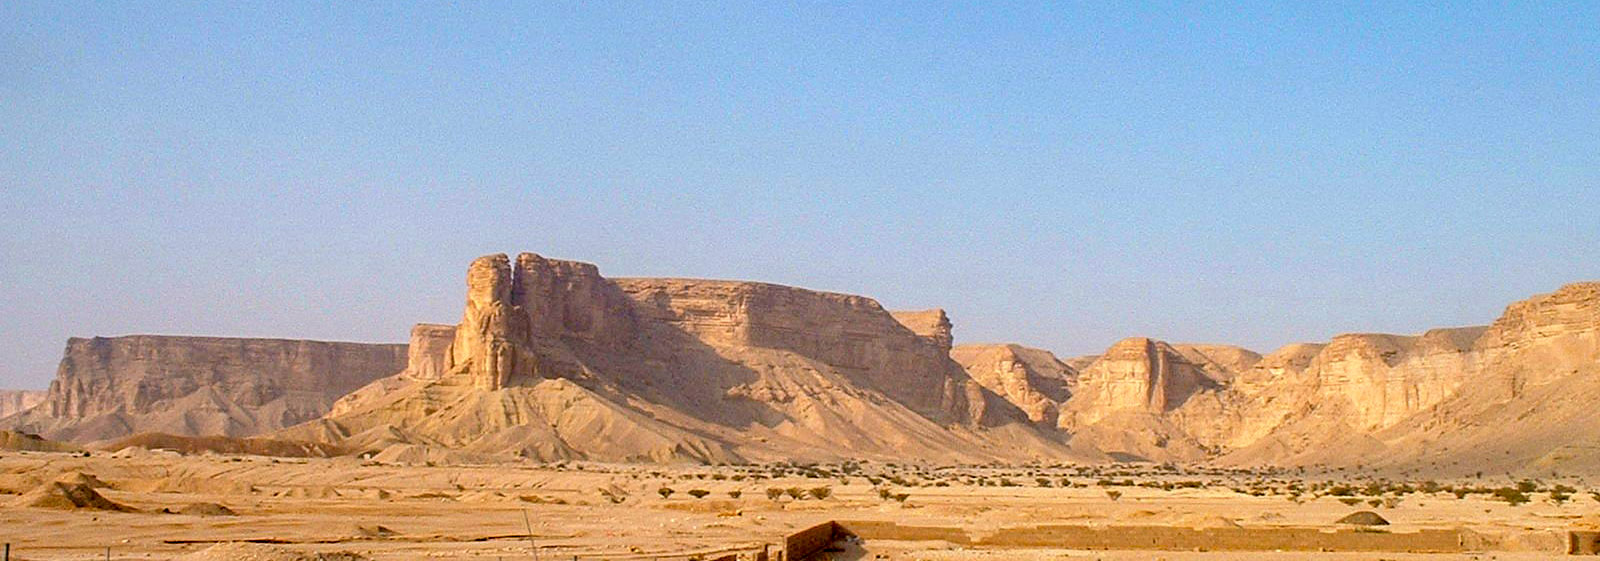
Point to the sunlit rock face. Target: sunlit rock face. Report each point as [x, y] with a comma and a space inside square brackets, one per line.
[107, 387]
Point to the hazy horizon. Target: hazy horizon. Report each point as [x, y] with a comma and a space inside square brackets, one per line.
[1057, 177]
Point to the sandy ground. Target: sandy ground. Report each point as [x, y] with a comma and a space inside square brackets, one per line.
[487, 512]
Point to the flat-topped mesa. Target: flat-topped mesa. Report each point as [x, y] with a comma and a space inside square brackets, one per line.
[108, 387]
[853, 334]
[932, 325]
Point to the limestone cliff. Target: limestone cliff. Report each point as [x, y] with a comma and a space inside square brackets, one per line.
[111, 387]
[1136, 374]
[553, 361]
[1032, 379]
[932, 325]
[15, 401]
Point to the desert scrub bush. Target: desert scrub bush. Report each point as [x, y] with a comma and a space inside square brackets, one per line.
[699, 493]
[1042, 481]
[665, 492]
[773, 493]
[795, 492]
[734, 494]
[1512, 496]
[1350, 501]
[820, 493]
[1113, 494]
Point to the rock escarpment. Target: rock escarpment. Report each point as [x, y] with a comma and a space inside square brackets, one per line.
[111, 387]
[553, 361]
[15, 401]
[1032, 379]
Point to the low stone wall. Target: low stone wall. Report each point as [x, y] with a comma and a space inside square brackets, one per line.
[806, 543]
[1228, 539]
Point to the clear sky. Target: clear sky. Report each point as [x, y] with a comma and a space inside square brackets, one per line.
[1061, 175]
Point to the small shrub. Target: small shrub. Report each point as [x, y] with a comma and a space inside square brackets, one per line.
[795, 493]
[1511, 496]
[773, 493]
[665, 492]
[734, 494]
[821, 492]
[1350, 501]
[1113, 494]
[699, 493]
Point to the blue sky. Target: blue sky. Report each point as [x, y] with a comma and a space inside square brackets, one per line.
[1061, 175]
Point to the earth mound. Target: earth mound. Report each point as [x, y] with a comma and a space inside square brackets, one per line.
[68, 496]
[1363, 518]
[206, 509]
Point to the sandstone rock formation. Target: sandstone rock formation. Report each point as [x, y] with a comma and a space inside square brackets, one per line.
[15, 401]
[931, 324]
[112, 387]
[1032, 379]
[553, 361]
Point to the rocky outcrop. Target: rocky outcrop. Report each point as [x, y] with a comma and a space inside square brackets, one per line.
[1032, 379]
[852, 335]
[553, 361]
[932, 325]
[427, 359]
[111, 387]
[15, 401]
[1544, 338]
[1136, 374]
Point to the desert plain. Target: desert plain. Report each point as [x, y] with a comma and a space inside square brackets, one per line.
[349, 508]
[569, 415]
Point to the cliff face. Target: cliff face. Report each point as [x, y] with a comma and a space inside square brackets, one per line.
[15, 401]
[932, 325]
[1032, 379]
[111, 387]
[1544, 338]
[553, 361]
[853, 335]
[1136, 374]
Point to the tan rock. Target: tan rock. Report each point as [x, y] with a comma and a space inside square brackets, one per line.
[15, 401]
[1032, 379]
[111, 387]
